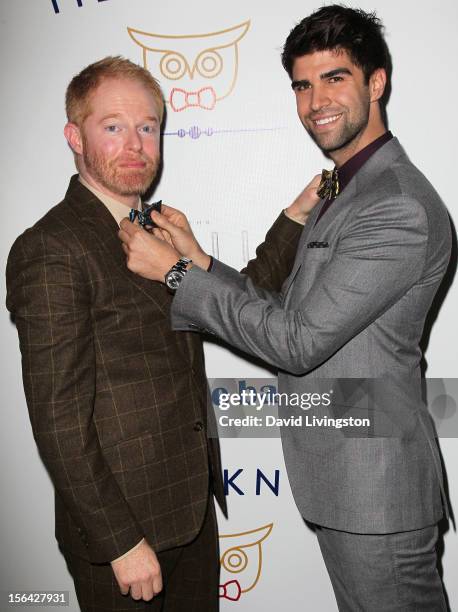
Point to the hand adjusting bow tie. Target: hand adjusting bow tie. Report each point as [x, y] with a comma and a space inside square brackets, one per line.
[329, 187]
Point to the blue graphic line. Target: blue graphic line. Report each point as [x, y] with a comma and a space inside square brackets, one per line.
[250, 130]
[196, 132]
[78, 2]
[56, 6]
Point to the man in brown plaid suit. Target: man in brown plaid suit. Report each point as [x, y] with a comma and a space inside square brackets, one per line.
[117, 400]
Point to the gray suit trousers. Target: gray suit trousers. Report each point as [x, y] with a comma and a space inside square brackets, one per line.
[383, 572]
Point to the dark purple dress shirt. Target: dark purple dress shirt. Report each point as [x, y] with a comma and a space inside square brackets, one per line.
[351, 166]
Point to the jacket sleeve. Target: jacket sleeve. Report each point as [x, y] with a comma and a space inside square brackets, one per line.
[275, 256]
[264, 276]
[380, 255]
[49, 298]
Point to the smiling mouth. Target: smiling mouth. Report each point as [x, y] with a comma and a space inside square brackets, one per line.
[326, 120]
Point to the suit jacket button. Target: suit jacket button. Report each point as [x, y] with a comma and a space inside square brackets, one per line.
[198, 426]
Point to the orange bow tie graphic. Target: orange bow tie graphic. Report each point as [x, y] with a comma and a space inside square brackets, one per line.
[204, 98]
[230, 590]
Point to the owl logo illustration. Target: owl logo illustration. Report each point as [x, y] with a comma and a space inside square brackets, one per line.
[195, 70]
[241, 561]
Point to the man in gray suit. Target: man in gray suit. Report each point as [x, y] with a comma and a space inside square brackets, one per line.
[370, 259]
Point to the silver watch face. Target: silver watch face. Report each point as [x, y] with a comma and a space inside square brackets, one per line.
[173, 279]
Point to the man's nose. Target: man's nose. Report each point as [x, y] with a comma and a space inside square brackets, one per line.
[319, 98]
[134, 141]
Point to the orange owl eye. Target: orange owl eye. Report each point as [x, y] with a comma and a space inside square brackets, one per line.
[209, 64]
[234, 560]
[173, 65]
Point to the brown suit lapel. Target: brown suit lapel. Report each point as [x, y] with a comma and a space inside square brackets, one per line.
[103, 229]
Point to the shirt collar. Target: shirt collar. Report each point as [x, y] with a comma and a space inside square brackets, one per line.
[348, 170]
[116, 208]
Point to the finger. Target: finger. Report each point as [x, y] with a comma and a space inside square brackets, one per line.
[314, 183]
[128, 226]
[175, 215]
[168, 210]
[141, 237]
[149, 237]
[123, 236]
[162, 235]
[157, 583]
[125, 223]
[158, 233]
[123, 587]
[147, 591]
[136, 591]
[125, 248]
[164, 223]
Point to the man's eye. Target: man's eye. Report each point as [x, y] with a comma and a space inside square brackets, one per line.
[112, 128]
[147, 129]
[302, 87]
[335, 79]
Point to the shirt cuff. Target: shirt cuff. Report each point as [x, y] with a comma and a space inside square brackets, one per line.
[129, 551]
[292, 218]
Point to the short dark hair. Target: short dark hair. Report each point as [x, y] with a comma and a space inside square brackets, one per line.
[336, 26]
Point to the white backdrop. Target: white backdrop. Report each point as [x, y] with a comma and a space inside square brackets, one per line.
[232, 169]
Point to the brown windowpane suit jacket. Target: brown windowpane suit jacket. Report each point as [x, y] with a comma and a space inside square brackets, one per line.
[117, 400]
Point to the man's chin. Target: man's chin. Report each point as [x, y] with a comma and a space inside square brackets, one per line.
[134, 185]
[331, 145]
[327, 145]
[129, 190]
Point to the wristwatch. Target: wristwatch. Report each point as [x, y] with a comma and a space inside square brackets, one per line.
[176, 273]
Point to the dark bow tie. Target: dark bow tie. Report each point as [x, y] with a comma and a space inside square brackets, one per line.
[144, 216]
[329, 186]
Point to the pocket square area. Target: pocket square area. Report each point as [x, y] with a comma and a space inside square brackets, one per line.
[318, 245]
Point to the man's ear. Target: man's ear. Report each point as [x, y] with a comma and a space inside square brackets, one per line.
[73, 135]
[377, 83]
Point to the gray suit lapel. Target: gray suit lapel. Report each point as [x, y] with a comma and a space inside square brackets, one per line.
[308, 227]
[313, 231]
[379, 162]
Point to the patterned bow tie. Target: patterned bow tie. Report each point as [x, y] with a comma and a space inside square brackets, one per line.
[144, 216]
[329, 186]
[204, 98]
[230, 590]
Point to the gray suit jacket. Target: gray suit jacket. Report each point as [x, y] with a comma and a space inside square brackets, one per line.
[352, 308]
